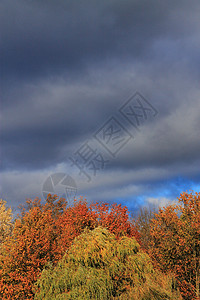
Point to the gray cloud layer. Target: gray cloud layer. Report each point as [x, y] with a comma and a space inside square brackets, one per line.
[67, 67]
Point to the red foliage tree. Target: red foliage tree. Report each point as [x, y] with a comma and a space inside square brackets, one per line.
[116, 219]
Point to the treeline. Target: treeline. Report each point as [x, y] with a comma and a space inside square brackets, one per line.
[97, 251]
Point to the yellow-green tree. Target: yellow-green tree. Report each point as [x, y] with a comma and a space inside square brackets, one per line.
[6, 224]
[100, 266]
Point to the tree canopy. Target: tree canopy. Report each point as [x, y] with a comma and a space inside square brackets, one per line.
[96, 251]
[175, 244]
[100, 266]
[42, 234]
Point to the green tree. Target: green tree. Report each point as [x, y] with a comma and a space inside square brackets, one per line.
[98, 265]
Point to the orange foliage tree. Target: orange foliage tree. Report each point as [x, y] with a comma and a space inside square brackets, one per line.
[32, 244]
[44, 232]
[175, 244]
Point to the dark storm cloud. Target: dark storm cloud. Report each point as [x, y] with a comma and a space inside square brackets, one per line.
[40, 38]
[68, 66]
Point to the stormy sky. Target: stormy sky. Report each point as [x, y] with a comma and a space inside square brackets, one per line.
[100, 99]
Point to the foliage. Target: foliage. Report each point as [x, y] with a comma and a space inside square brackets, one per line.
[116, 219]
[175, 244]
[103, 259]
[32, 244]
[43, 233]
[100, 266]
[6, 224]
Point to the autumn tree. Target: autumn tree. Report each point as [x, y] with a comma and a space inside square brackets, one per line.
[33, 243]
[175, 245]
[43, 232]
[116, 219]
[100, 266]
[6, 224]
